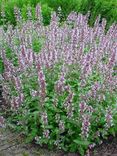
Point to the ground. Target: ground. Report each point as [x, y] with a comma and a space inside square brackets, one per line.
[11, 145]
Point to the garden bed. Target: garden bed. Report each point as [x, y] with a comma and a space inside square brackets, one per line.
[59, 82]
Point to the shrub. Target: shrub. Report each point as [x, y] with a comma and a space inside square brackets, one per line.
[8, 10]
[59, 81]
[106, 8]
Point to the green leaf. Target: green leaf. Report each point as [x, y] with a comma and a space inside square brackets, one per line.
[80, 142]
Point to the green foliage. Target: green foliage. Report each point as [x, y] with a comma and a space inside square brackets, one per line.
[46, 13]
[66, 5]
[1, 66]
[36, 45]
[106, 8]
[28, 118]
[8, 8]
[11, 56]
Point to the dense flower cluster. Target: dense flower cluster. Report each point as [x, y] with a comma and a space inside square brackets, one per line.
[70, 80]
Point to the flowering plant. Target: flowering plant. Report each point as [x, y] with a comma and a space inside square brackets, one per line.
[59, 81]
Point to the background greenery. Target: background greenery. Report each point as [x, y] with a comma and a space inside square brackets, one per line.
[107, 8]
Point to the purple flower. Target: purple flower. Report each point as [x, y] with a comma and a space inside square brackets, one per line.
[17, 83]
[38, 13]
[44, 118]
[85, 126]
[46, 134]
[109, 118]
[2, 121]
[61, 126]
[34, 93]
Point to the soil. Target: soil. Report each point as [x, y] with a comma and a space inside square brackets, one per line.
[11, 145]
[108, 148]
